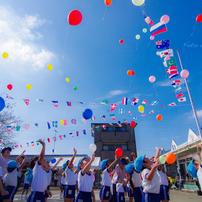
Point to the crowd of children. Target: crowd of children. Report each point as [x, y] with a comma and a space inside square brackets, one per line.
[143, 179]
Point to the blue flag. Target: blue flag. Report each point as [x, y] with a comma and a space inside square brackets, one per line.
[163, 44]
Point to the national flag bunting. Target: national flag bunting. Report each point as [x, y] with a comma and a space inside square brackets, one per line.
[130, 112]
[28, 144]
[65, 122]
[171, 62]
[16, 146]
[55, 124]
[125, 121]
[162, 106]
[113, 117]
[73, 121]
[80, 102]
[55, 103]
[124, 101]
[173, 75]
[84, 132]
[8, 128]
[60, 136]
[113, 106]
[121, 110]
[177, 89]
[27, 126]
[104, 127]
[39, 100]
[144, 102]
[172, 70]
[8, 96]
[69, 103]
[49, 140]
[36, 124]
[143, 115]
[54, 139]
[48, 125]
[32, 143]
[77, 133]
[105, 102]
[135, 101]
[111, 124]
[172, 104]
[165, 53]
[17, 128]
[98, 128]
[151, 112]
[158, 28]
[163, 44]
[119, 123]
[182, 99]
[26, 101]
[154, 103]
[176, 83]
[64, 136]
[37, 142]
[93, 118]
[84, 120]
[103, 117]
[179, 95]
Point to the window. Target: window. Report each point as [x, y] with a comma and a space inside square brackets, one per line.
[124, 147]
[108, 147]
[120, 129]
[108, 129]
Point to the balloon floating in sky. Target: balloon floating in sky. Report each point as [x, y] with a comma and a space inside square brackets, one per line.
[53, 160]
[108, 2]
[152, 79]
[144, 30]
[141, 109]
[137, 36]
[159, 117]
[50, 67]
[184, 73]
[92, 148]
[199, 18]
[75, 88]
[9, 86]
[121, 41]
[2, 103]
[170, 158]
[5, 55]
[67, 80]
[29, 86]
[162, 159]
[74, 17]
[138, 2]
[132, 124]
[151, 37]
[119, 152]
[62, 122]
[87, 114]
[130, 72]
[165, 18]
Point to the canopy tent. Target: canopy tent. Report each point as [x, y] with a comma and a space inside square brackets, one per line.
[94, 165]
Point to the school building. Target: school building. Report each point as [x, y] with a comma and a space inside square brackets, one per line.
[109, 138]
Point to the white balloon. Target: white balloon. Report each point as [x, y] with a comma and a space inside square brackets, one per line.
[93, 148]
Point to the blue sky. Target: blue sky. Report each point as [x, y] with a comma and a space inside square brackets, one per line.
[36, 33]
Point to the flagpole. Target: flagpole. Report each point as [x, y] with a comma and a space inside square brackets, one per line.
[190, 97]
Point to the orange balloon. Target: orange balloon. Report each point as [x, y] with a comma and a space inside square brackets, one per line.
[108, 2]
[129, 72]
[170, 158]
[159, 117]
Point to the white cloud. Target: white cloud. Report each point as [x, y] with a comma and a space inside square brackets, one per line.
[167, 82]
[18, 38]
[199, 113]
[116, 92]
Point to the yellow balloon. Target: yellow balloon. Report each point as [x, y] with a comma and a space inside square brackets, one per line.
[141, 109]
[137, 36]
[67, 79]
[5, 55]
[138, 2]
[62, 122]
[29, 86]
[50, 67]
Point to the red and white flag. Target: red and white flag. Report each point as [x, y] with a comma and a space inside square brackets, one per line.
[172, 70]
[151, 112]
[179, 95]
[182, 99]
[172, 104]
[104, 127]
[26, 101]
[113, 106]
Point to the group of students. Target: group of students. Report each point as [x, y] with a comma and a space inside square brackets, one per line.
[143, 179]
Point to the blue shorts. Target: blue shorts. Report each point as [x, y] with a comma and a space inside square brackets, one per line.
[137, 194]
[120, 197]
[84, 197]
[164, 192]
[69, 191]
[36, 196]
[45, 194]
[25, 186]
[105, 193]
[12, 190]
[150, 197]
[130, 192]
[62, 186]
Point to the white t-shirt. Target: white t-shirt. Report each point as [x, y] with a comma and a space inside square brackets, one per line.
[85, 182]
[152, 186]
[137, 181]
[70, 176]
[40, 179]
[199, 174]
[63, 180]
[49, 175]
[19, 172]
[3, 164]
[162, 178]
[121, 172]
[119, 188]
[106, 181]
[25, 181]
[10, 179]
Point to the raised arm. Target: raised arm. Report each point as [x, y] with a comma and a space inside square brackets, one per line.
[42, 154]
[23, 162]
[199, 147]
[134, 156]
[157, 153]
[72, 160]
[17, 159]
[113, 163]
[88, 165]
[151, 174]
[55, 165]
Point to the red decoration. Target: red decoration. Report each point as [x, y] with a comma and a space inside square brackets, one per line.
[132, 124]
[133, 73]
[170, 158]
[119, 152]
[121, 41]
[199, 18]
[108, 2]
[129, 72]
[9, 86]
[159, 117]
[74, 17]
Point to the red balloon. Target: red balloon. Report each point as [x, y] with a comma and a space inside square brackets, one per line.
[119, 152]
[132, 124]
[133, 73]
[108, 2]
[121, 41]
[74, 17]
[9, 86]
[129, 72]
[199, 18]
[170, 158]
[159, 117]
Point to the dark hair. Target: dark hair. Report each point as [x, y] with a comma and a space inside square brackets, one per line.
[10, 169]
[67, 163]
[31, 162]
[143, 166]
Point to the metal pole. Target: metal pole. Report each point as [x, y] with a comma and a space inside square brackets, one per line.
[190, 97]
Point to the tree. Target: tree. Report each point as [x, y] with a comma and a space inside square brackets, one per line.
[7, 118]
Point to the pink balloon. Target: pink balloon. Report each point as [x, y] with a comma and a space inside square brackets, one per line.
[166, 58]
[165, 18]
[152, 79]
[184, 73]
[152, 37]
